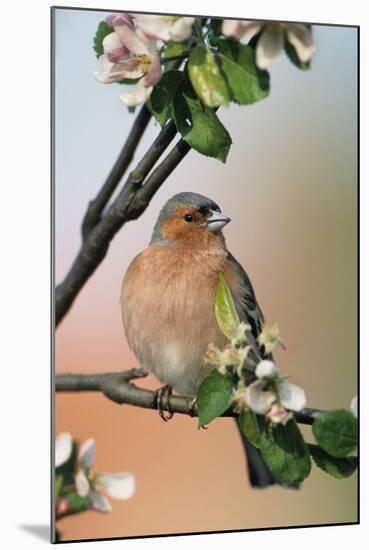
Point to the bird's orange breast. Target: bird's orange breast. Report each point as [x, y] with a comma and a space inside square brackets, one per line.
[168, 311]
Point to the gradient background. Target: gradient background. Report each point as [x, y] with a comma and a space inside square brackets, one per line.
[290, 187]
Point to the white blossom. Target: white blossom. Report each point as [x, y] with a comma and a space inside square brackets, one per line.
[272, 389]
[272, 38]
[90, 483]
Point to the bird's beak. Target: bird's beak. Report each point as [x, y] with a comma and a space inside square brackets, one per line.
[216, 221]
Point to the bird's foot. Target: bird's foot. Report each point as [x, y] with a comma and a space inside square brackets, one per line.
[164, 393]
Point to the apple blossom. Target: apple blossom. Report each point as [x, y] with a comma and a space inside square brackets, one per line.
[89, 483]
[129, 54]
[271, 389]
[272, 38]
[270, 338]
[228, 357]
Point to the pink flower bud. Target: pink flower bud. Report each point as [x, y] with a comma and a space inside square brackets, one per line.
[62, 506]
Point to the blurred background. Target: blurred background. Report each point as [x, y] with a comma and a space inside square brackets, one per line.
[290, 187]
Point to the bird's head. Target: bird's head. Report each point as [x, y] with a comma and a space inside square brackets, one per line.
[189, 220]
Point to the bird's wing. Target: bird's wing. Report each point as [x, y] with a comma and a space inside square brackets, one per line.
[248, 310]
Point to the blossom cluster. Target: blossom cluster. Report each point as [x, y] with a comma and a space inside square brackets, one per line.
[131, 51]
[269, 393]
[87, 481]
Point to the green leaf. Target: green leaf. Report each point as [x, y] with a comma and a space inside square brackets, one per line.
[339, 468]
[161, 99]
[249, 427]
[206, 78]
[102, 30]
[214, 33]
[294, 58]
[247, 83]
[336, 432]
[77, 503]
[225, 310]
[174, 48]
[214, 396]
[285, 452]
[58, 484]
[199, 125]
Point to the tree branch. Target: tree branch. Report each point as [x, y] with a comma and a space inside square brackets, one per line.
[131, 202]
[97, 205]
[117, 387]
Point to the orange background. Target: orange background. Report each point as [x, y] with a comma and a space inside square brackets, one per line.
[289, 186]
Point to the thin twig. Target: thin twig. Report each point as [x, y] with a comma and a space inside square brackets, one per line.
[97, 205]
[131, 202]
[117, 387]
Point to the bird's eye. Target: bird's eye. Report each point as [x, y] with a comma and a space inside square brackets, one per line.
[188, 218]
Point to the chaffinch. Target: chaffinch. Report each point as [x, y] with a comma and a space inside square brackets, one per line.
[168, 296]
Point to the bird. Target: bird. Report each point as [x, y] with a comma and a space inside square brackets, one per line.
[167, 301]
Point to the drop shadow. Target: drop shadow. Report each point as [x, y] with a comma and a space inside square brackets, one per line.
[39, 531]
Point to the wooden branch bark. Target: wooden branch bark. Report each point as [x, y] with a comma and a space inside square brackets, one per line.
[131, 202]
[97, 205]
[118, 387]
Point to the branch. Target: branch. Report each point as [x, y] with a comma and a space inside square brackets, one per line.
[97, 205]
[131, 202]
[118, 387]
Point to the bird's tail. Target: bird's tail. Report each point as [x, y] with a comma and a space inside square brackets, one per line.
[259, 474]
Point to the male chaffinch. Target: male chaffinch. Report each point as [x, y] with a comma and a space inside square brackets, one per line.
[168, 296]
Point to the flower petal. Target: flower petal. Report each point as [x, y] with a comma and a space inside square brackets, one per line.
[269, 46]
[257, 399]
[154, 73]
[238, 29]
[82, 483]
[353, 406]
[265, 369]
[292, 397]
[132, 41]
[121, 485]
[116, 19]
[111, 42]
[138, 94]
[99, 502]
[86, 453]
[299, 36]
[63, 448]
[154, 26]
[181, 29]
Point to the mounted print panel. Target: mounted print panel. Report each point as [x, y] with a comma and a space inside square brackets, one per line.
[205, 186]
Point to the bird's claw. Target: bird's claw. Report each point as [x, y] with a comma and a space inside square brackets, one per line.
[164, 392]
